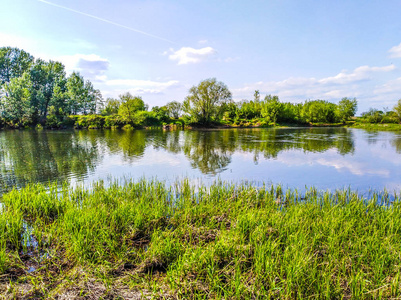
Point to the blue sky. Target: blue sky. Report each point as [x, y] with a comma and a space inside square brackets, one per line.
[298, 50]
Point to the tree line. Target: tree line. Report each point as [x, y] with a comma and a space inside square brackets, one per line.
[33, 91]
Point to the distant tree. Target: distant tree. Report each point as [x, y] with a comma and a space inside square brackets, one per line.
[271, 108]
[111, 107]
[256, 96]
[13, 63]
[318, 111]
[373, 116]
[397, 110]
[346, 109]
[174, 109]
[130, 105]
[204, 102]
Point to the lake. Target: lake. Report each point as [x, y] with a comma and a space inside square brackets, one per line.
[327, 158]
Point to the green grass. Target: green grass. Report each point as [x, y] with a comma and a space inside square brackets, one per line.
[377, 127]
[181, 241]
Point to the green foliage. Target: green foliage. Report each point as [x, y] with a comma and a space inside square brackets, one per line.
[373, 116]
[111, 108]
[16, 107]
[130, 105]
[161, 113]
[113, 121]
[346, 109]
[90, 121]
[28, 89]
[13, 63]
[48, 88]
[318, 111]
[204, 104]
[397, 110]
[174, 109]
[271, 108]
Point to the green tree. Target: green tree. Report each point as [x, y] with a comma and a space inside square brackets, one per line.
[271, 108]
[130, 105]
[13, 63]
[75, 92]
[47, 77]
[16, 104]
[346, 109]
[397, 110]
[174, 109]
[111, 107]
[318, 111]
[204, 102]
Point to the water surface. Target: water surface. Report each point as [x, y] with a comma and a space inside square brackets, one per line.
[327, 158]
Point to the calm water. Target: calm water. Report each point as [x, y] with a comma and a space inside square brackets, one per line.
[327, 158]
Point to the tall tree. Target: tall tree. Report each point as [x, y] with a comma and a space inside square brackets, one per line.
[13, 63]
[46, 77]
[75, 92]
[174, 109]
[16, 104]
[205, 100]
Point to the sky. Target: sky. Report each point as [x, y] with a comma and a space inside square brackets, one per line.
[298, 50]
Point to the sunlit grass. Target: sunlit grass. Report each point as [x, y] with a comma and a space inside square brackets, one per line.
[222, 241]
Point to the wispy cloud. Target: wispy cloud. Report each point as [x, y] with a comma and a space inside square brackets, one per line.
[395, 52]
[188, 55]
[344, 84]
[141, 87]
[106, 21]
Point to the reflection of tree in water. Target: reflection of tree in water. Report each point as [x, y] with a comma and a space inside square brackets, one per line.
[396, 142]
[32, 156]
[271, 142]
[132, 143]
[207, 150]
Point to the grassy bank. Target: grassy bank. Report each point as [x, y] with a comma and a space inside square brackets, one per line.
[376, 127]
[145, 239]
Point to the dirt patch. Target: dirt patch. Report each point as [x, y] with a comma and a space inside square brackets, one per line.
[200, 235]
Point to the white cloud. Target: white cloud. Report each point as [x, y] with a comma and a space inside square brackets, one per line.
[392, 86]
[91, 66]
[395, 52]
[344, 84]
[187, 55]
[360, 73]
[141, 86]
[332, 159]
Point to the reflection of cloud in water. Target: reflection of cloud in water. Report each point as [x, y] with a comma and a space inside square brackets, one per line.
[330, 158]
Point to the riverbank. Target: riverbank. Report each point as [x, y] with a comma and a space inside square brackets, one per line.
[145, 239]
[376, 127]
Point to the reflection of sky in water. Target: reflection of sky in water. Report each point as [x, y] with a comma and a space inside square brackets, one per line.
[303, 158]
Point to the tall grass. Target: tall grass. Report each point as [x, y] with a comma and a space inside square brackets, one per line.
[223, 241]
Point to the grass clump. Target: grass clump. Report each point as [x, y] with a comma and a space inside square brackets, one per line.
[222, 241]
